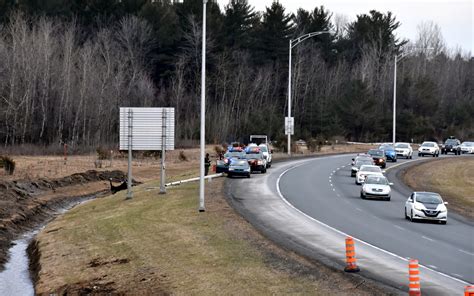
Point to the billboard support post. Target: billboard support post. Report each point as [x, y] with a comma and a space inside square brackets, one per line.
[163, 153]
[129, 178]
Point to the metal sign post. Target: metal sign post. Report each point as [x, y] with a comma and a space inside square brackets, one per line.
[129, 178]
[146, 129]
[163, 153]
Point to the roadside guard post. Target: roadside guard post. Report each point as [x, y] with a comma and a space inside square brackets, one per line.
[469, 291]
[414, 288]
[351, 265]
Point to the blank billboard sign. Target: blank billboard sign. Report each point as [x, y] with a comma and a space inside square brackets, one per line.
[150, 128]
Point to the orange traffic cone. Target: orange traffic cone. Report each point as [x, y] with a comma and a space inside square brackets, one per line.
[469, 291]
[414, 278]
[351, 265]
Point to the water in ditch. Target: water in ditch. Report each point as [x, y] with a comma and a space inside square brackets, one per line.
[15, 279]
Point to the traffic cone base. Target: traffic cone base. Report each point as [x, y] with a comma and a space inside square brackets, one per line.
[351, 265]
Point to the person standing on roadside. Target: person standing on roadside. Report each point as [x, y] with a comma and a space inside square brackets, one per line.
[207, 164]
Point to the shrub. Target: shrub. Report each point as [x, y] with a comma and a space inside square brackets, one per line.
[102, 153]
[182, 156]
[219, 149]
[8, 164]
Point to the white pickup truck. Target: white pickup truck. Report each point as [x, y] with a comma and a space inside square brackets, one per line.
[262, 142]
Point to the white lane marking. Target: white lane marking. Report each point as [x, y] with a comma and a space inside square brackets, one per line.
[345, 234]
[331, 185]
[359, 210]
[466, 252]
[333, 189]
[432, 266]
[399, 227]
[333, 172]
[428, 238]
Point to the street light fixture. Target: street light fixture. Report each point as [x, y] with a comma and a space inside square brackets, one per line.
[203, 109]
[293, 43]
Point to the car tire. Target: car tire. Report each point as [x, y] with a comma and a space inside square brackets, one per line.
[443, 222]
[384, 166]
[248, 176]
[419, 155]
[405, 213]
[411, 216]
[361, 195]
[387, 198]
[229, 175]
[357, 183]
[394, 160]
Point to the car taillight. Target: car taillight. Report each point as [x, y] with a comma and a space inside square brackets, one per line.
[380, 159]
[226, 160]
[260, 162]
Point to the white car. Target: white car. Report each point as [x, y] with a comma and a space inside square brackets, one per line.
[367, 170]
[404, 150]
[267, 153]
[376, 187]
[467, 147]
[426, 206]
[429, 148]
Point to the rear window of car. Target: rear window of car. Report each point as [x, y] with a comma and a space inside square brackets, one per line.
[376, 152]
[428, 144]
[240, 162]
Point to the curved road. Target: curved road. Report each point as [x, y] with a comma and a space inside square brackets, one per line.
[326, 192]
[311, 205]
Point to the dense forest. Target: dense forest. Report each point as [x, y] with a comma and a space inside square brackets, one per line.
[66, 66]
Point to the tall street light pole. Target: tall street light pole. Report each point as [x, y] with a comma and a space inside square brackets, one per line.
[203, 109]
[293, 43]
[398, 58]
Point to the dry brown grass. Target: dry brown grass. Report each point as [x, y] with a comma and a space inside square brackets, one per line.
[452, 177]
[158, 244]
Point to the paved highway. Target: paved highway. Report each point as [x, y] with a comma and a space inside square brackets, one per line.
[311, 205]
[325, 191]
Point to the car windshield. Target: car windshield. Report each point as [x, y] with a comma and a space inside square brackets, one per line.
[376, 180]
[450, 142]
[401, 145]
[373, 169]
[428, 198]
[237, 154]
[375, 152]
[428, 144]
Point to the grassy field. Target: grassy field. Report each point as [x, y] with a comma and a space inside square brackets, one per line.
[453, 178]
[159, 244]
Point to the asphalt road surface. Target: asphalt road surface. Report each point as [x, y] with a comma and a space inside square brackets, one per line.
[326, 191]
[311, 205]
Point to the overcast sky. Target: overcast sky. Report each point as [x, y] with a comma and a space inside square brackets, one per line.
[455, 17]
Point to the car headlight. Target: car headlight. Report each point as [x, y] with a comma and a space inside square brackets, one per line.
[419, 207]
[231, 169]
[259, 162]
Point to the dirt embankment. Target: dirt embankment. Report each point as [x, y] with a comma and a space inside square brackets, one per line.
[26, 203]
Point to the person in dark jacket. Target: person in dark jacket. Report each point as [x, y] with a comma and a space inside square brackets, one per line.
[207, 164]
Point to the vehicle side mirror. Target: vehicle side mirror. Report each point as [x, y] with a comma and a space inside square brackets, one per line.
[391, 184]
[446, 203]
